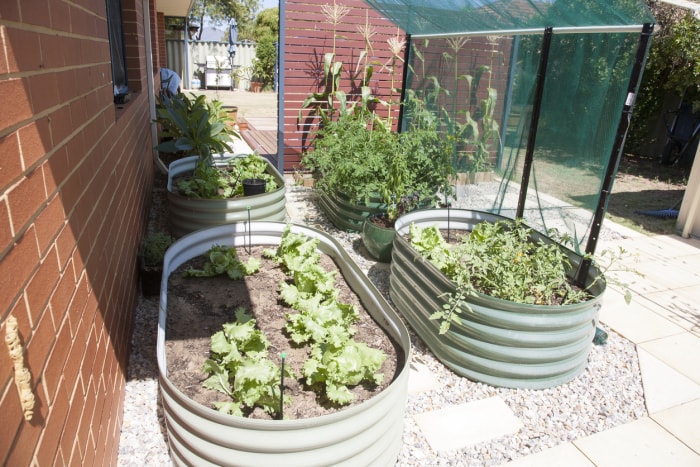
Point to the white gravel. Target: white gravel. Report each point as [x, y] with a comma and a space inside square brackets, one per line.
[607, 394]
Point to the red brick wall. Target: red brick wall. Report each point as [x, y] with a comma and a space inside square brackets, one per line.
[307, 38]
[75, 176]
[162, 55]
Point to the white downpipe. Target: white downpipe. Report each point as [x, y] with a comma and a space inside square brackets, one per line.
[151, 83]
[687, 218]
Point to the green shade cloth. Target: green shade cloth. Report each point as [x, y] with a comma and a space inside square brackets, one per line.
[473, 69]
[432, 18]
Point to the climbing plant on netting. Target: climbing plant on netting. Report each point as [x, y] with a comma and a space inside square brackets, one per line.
[535, 97]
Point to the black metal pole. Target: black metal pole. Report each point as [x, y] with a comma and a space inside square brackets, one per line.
[406, 58]
[283, 355]
[534, 121]
[616, 153]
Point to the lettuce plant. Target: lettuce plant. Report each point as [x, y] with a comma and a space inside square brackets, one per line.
[239, 367]
[224, 260]
[336, 360]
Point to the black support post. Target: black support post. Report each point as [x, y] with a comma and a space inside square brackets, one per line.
[534, 121]
[406, 61]
[616, 153]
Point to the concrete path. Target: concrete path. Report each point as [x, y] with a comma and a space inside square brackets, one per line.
[663, 320]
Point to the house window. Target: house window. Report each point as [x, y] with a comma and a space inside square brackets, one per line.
[115, 28]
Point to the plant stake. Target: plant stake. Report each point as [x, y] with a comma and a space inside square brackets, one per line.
[250, 241]
[283, 355]
[448, 221]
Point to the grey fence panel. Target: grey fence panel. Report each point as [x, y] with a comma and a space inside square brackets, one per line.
[198, 53]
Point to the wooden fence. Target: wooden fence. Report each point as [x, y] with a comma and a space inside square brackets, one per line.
[307, 37]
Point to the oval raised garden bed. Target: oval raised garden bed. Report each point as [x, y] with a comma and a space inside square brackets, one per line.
[190, 214]
[369, 433]
[498, 342]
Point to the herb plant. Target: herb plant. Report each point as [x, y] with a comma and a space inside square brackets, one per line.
[501, 260]
[153, 248]
[359, 159]
[240, 368]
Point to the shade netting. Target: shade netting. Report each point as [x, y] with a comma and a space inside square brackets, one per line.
[535, 94]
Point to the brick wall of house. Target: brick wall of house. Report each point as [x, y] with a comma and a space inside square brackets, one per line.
[75, 177]
[161, 42]
[308, 37]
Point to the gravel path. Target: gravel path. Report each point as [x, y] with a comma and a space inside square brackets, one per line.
[607, 394]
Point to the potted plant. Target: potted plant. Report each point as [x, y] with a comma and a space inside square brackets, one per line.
[349, 159]
[192, 126]
[483, 306]
[367, 433]
[362, 167]
[151, 256]
[204, 189]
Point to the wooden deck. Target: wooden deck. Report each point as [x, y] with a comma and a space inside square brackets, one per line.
[262, 141]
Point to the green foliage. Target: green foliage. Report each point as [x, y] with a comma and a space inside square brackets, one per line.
[469, 122]
[341, 366]
[220, 13]
[674, 59]
[224, 260]
[154, 247]
[351, 158]
[265, 60]
[294, 251]
[194, 126]
[360, 159]
[336, 360]
[331, 100]
[239, 367]
[215, 182]
[501, 260]
[267, 24]
[673, 66]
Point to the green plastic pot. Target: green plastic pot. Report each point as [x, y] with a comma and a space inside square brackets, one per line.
[377, 240]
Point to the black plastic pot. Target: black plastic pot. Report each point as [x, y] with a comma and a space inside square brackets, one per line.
[150, 279]
[253, 186]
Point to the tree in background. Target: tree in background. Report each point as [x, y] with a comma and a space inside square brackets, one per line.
[267, 23]
[220, 13]
[673, 67]
[266, 34]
